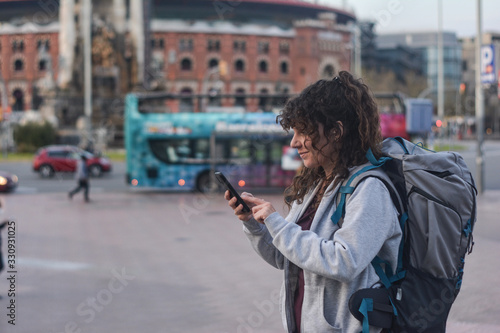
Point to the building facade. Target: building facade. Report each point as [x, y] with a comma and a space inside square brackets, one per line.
[426, 43]
[182, 47]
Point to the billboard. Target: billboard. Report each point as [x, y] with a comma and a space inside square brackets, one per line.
[488, 64]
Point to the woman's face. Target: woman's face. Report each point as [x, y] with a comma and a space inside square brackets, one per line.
[314, 157]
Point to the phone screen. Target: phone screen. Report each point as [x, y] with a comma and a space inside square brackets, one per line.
[223, 180]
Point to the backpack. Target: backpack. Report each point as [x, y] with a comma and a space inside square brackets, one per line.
[435, 195]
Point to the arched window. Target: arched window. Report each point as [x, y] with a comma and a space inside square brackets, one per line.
[264, 101]
[263, 66]
[18, 65]
[186, 64]
[284, 67]
[213, 63]
[328, 71]
[42, 65]
[186, 102]
[214, 98]
[239, 66]
[18, 100]
[240, 100]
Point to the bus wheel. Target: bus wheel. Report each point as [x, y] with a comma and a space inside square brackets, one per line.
[206, 183]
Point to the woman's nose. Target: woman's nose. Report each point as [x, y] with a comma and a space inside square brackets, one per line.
[295, 143]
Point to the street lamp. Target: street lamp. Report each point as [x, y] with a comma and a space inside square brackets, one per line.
[479, 103]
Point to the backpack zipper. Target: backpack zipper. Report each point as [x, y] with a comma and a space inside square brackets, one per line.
[432, 198]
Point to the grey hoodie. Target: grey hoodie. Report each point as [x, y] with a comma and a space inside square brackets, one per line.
[336, 261]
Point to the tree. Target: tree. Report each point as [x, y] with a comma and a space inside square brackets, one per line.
[31, 136]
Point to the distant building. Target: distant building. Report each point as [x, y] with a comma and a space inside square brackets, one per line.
[405, 46]
[491, 94]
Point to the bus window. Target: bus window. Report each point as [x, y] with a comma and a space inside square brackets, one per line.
[276, 152]
[172, 151]
[239, 148]
[259, 153]
[201, 148]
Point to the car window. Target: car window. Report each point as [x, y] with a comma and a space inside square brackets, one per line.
[58, 153]
[74, 155]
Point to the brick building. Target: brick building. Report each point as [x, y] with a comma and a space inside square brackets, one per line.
[195, 47]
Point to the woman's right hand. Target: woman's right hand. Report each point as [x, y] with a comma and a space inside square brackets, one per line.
[238, 209]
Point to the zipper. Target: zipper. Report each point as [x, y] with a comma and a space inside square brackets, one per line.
[288, 297]
[432, 198]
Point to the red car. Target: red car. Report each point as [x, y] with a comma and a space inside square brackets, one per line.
[57, 158]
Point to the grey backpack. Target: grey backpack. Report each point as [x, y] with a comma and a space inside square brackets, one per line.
[435, 195]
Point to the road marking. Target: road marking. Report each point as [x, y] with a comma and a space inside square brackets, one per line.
[26, 190]
[53, 264]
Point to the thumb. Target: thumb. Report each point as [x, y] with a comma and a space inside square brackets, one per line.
[253, 200]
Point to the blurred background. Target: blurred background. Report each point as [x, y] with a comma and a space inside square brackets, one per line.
[158, 94]
[66, 68]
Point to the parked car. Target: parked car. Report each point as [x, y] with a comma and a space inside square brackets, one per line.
[8, 181]
[62, 158]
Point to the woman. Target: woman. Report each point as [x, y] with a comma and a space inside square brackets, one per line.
[334, 124]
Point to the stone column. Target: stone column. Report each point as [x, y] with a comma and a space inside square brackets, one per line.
[67, 39]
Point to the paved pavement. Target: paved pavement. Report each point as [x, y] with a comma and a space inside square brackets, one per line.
[156, 262]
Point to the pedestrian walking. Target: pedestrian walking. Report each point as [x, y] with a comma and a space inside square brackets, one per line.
[82, 178]
[334, 122]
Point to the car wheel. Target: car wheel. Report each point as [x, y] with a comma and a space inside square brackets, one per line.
[46, 171]
[206, 183]
[95, 170]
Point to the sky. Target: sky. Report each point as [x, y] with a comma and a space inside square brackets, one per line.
[393, 16]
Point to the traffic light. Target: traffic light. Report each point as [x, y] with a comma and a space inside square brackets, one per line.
[462, 88]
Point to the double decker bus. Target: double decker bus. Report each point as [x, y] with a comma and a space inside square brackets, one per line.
[182, 150]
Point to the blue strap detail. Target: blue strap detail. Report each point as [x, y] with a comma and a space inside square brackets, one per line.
[371, 158]
[347, 189]
[340, 211]
[468, 229]
[383, 275]
[393, 307]
[365, 307]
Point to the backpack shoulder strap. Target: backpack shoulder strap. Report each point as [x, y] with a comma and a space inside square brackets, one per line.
[357, 175]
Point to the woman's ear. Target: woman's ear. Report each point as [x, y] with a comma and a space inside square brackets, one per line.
[338, 132]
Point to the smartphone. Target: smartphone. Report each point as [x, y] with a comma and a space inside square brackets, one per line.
[223, 180]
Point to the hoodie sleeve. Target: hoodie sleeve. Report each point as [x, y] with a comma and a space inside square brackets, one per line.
[370, 220]
[262, 242]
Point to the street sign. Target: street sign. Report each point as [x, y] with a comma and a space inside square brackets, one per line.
[488, 64]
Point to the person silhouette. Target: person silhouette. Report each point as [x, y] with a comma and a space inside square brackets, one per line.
[82, 177]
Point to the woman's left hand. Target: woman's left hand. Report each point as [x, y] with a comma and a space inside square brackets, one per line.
[261, 208]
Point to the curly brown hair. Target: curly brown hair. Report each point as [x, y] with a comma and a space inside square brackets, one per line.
[346, 109]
